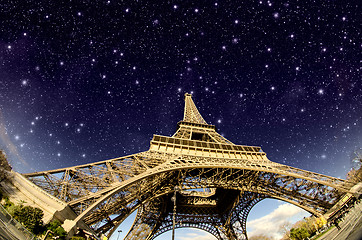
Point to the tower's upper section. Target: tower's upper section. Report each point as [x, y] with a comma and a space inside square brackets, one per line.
[195, 137]
[194, 127]
[191, 114]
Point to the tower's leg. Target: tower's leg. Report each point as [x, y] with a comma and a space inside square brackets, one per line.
[148, 217]
[239, 214]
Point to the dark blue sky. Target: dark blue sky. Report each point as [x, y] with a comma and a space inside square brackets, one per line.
[83, 81]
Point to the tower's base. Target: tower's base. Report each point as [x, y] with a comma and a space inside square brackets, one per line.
[20, 190]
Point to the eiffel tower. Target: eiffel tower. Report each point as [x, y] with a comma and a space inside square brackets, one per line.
[196, 178]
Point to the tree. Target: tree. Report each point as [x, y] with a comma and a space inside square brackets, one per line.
[77, 238]
[4, 165]
[284, 229]
[56, 229]
[310, 226]
[260, 237]
[30, 217]
[305, 228]
[8, 204]
[320, 222]
[357, 158]
[299, 233]
[355, 174]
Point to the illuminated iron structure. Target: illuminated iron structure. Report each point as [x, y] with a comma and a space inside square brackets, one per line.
[217, 183]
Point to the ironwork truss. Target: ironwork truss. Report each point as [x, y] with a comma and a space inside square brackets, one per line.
[219, 183]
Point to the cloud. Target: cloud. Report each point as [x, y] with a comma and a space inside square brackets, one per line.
[269, 225]
[196, 234]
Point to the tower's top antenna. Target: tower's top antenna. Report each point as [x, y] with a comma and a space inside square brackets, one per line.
[191, 114]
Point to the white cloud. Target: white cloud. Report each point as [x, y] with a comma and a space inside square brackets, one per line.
[196, 234]
[269, 225]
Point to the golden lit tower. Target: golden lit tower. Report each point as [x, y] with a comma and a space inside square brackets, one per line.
[215, 182]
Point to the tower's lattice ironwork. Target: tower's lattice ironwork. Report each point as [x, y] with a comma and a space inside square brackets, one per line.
[218, 181]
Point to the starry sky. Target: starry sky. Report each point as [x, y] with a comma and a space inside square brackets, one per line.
[84, 81]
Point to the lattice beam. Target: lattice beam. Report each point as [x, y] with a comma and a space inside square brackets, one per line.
[191, 114]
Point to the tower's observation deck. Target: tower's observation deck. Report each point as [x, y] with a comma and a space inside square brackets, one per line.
[205, 149]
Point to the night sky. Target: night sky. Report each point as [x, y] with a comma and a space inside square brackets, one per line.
[84, 81]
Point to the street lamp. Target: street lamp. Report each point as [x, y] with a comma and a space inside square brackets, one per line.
[174, 212]
[119, 231]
